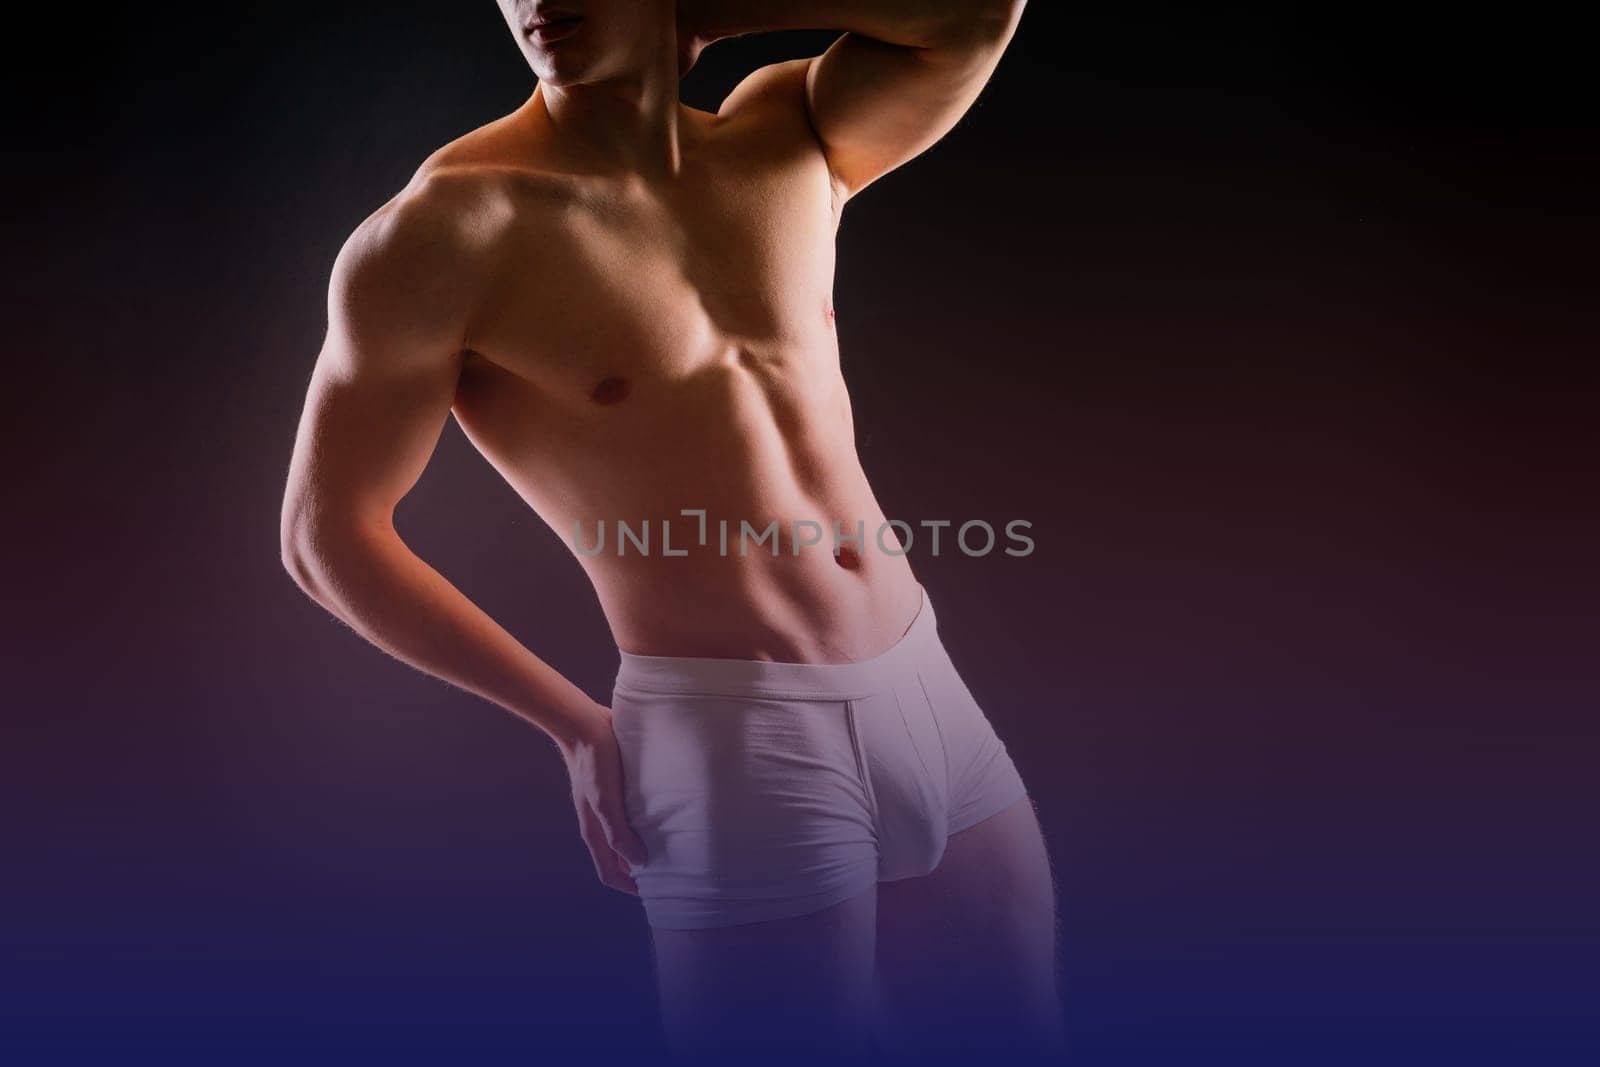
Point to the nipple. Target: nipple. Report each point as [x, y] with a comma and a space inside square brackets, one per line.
[611, 390]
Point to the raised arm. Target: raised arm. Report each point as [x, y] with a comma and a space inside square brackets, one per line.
[379, 395]
[892, 85]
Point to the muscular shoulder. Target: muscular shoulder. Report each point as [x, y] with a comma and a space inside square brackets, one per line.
[771, 106]
[408, 276]
[775, 92]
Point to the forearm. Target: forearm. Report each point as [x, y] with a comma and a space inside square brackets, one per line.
[366, 576]
[912, 23]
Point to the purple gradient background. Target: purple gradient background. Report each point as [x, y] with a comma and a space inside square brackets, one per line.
[1278, 327]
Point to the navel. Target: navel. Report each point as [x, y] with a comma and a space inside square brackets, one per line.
[611, 390]
[848, 558]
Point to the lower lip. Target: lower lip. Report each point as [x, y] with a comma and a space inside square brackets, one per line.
[552, 32]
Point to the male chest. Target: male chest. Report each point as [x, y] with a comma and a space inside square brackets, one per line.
[657, 283]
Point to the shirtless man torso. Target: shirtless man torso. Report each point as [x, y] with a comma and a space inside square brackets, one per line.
[626, 304]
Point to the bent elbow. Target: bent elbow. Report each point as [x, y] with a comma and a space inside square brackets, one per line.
[295, 550]
[316, 543]
[298, 566]
[309, 534]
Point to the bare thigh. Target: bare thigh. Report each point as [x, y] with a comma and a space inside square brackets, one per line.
[786, 990]
[967, 955]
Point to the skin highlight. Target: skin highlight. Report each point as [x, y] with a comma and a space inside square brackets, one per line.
[626, 305]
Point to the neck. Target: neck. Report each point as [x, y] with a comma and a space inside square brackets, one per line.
[628, 122]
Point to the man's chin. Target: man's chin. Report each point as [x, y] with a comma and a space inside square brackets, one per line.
[558, 79]
[561, 72]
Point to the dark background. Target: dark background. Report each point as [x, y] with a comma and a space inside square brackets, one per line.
[1273, 323]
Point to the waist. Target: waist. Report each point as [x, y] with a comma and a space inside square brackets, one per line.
[802, 607]
[710, 676]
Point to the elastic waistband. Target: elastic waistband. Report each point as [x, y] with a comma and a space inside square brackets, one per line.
[796, 681]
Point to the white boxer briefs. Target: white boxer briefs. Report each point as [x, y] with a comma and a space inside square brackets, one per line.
[767, 790]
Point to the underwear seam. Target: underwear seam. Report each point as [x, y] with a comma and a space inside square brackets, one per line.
[858, 750]
[763, 907]
[944, 745]
[778, 694]
[912, 736]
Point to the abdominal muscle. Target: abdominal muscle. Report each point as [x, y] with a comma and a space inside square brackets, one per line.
[795, 607]
[746, 439]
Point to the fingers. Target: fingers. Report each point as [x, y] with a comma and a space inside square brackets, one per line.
[596, 770]
[608, 805]
[614, 818]
[608, 865]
